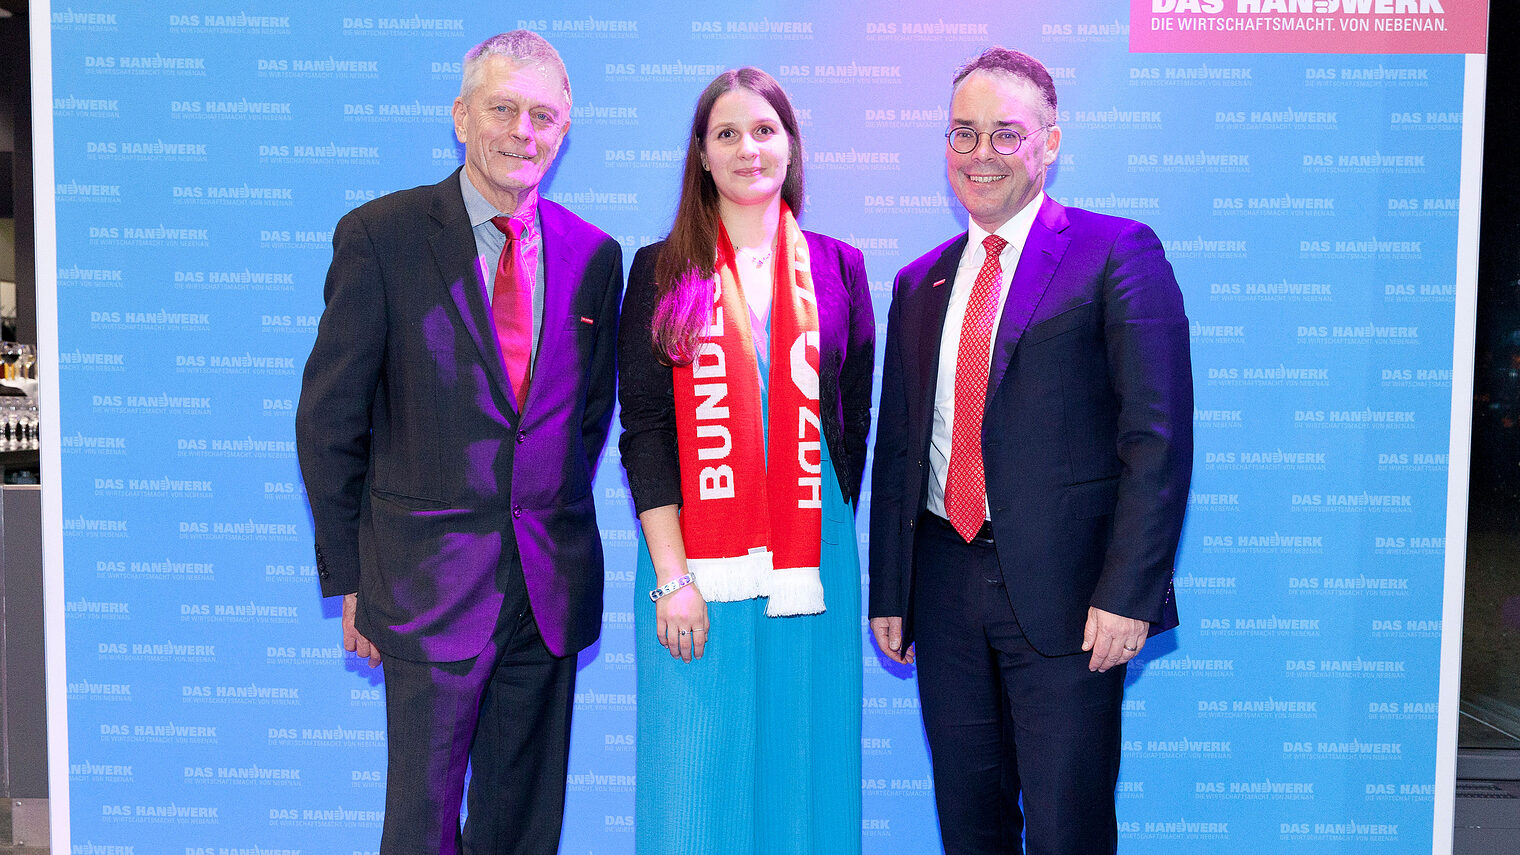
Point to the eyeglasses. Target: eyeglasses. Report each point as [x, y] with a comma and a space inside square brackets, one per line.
[1004, 140]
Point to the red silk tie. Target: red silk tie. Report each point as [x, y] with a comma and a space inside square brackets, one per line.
[966, 480]
[512, 310]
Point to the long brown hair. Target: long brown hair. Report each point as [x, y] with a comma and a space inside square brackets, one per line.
[683, 272]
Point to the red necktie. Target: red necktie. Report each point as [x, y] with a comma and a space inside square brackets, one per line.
[512, 310]
[966, 480]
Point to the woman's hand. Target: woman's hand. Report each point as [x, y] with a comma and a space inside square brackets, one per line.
[680, 617]
[680, 622]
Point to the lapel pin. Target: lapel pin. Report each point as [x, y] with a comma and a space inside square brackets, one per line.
[937, 284]
[587, 321]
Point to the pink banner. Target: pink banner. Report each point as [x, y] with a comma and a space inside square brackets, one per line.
[1308, 26]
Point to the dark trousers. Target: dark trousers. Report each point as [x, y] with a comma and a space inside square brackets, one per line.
[1005, 724]
[505, 713]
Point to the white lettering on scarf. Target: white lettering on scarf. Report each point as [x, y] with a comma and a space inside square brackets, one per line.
[714, 482]
[809, 431]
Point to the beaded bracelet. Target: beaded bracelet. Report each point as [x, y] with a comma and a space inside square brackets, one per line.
[671, 587]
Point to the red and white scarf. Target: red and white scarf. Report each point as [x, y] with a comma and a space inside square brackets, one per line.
[753, 530]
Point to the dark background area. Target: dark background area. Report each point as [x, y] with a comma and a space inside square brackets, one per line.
[1491, 622]
[16, 162]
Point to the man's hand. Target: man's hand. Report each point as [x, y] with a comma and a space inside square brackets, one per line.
[353, 642]
[1113, 639]
[888, 632]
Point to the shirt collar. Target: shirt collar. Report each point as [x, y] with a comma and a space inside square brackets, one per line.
[1015, 231]
[481, 211]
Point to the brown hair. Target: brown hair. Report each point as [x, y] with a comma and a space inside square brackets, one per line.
[1001, 60]
[684, 270]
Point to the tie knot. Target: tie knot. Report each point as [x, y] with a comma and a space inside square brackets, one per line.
[994, 245]
[509, 226]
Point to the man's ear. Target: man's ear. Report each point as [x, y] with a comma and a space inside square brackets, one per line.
[1052, 144]
[459, 112]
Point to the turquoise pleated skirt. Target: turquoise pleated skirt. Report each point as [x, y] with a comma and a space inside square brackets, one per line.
[755, 748]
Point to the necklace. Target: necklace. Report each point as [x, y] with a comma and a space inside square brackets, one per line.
[756, 258]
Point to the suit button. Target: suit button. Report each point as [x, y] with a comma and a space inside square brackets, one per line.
[516, 511]
[522, 436]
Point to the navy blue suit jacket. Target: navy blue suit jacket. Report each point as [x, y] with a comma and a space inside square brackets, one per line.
[1087, 437]
[425, 482]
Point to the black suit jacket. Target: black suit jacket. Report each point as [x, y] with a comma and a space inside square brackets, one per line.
[1087, 435]
[426, 485]
[847, 352]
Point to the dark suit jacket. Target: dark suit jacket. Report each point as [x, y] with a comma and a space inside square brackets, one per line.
[847, 352]
[1087, 437]
[425, 483]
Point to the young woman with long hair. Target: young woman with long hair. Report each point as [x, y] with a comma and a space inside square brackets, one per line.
[745, 365]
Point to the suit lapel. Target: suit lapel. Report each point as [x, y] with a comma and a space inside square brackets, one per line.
[924, 324]
[1037, 264]
[454, 252]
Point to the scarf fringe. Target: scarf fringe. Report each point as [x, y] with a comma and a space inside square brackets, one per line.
[794, 591]
[727, 580]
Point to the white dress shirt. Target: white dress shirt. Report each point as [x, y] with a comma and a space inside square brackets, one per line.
[1016, 232]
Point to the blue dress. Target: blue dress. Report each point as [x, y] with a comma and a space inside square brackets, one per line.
[754, 749]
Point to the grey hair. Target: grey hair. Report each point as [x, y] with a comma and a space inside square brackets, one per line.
[520, 46]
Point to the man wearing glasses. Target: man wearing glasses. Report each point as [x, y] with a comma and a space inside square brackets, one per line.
[1033, 452]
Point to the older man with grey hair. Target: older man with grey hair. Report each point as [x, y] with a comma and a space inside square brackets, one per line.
[452, 413]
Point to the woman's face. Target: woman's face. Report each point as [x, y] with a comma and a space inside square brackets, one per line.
[746, 149]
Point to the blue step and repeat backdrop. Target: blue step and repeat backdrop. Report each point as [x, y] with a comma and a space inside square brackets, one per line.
[202, 153]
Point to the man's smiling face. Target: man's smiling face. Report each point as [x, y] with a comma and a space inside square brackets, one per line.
[993, 186]
[511, 125]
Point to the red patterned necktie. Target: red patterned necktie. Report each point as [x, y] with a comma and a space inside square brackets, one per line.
[966, 480]
[512, 310]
